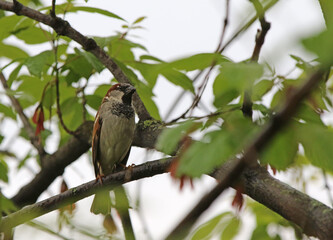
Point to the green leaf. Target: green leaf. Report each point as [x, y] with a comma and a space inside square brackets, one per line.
[6, 205]
[72, 77]
[121, 49]
[72, 112]
[234, 79]
[261, 88]
[301, 64]
[327, 9]
[321, 45]
[317, 143]
[34, 35]
[79, 65]
[13, 75]
[31, 88]
[148, 71]
[12, 52]
[102, 89]
[24, 160]
[198, 61]
[3, 170]
[231, 229]
[95, 63]
[94, 101]
[37, 63]
[146, 95]
[138, 20]
[49, 97]
[7, 111]
[282, 150]
[205, 231]
[308, 115]
[10, 22]
[178, 78]
[260, 233]
[218, 146]
[95, 10]
[171, 137]
[149, 57]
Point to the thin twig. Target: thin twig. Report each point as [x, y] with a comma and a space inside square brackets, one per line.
[56, 71]
[250, 154]
[225, 24]
[27, 126]
[84, 103]
[202, 87]
[221, 49]
[261, 35]
[260, 38]
[52, 11]
[246, 25]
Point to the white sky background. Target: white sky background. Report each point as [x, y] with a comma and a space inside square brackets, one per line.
[173, 29]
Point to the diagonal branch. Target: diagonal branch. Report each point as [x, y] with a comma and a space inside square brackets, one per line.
[315, 218]
[111, 181]
[55, 164]
[250, 154]
[27, 126]
[62, 27]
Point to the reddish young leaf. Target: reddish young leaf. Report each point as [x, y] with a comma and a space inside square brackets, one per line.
[238, 200]
[273, 170]
[38, 119]
[185, 143]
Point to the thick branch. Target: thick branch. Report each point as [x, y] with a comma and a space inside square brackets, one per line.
[30, 212]
[55, 165]
[145, 136]
[28, 128]
[250, 154]
[64, 28]
[313, 217]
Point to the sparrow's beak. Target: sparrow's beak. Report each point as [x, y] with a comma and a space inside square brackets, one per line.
[130, 90]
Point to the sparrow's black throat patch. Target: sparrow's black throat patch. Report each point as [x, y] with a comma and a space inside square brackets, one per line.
[122, 110]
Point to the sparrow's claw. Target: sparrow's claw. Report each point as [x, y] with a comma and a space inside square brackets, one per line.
[128, 172]
[100, 177]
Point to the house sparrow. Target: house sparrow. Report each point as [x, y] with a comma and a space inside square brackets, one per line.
[112, 137]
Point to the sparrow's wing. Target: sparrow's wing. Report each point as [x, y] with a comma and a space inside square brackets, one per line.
[95, 144]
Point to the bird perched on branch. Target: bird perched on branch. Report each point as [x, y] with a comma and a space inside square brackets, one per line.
[112, 137]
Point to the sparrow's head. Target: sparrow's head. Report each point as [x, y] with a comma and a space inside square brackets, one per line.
[121, 92]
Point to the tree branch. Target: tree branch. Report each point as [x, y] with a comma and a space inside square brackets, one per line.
[55, 164]
[313, 217]
[111, 181]
[250, 154]
[62, 27]
[27, 126]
